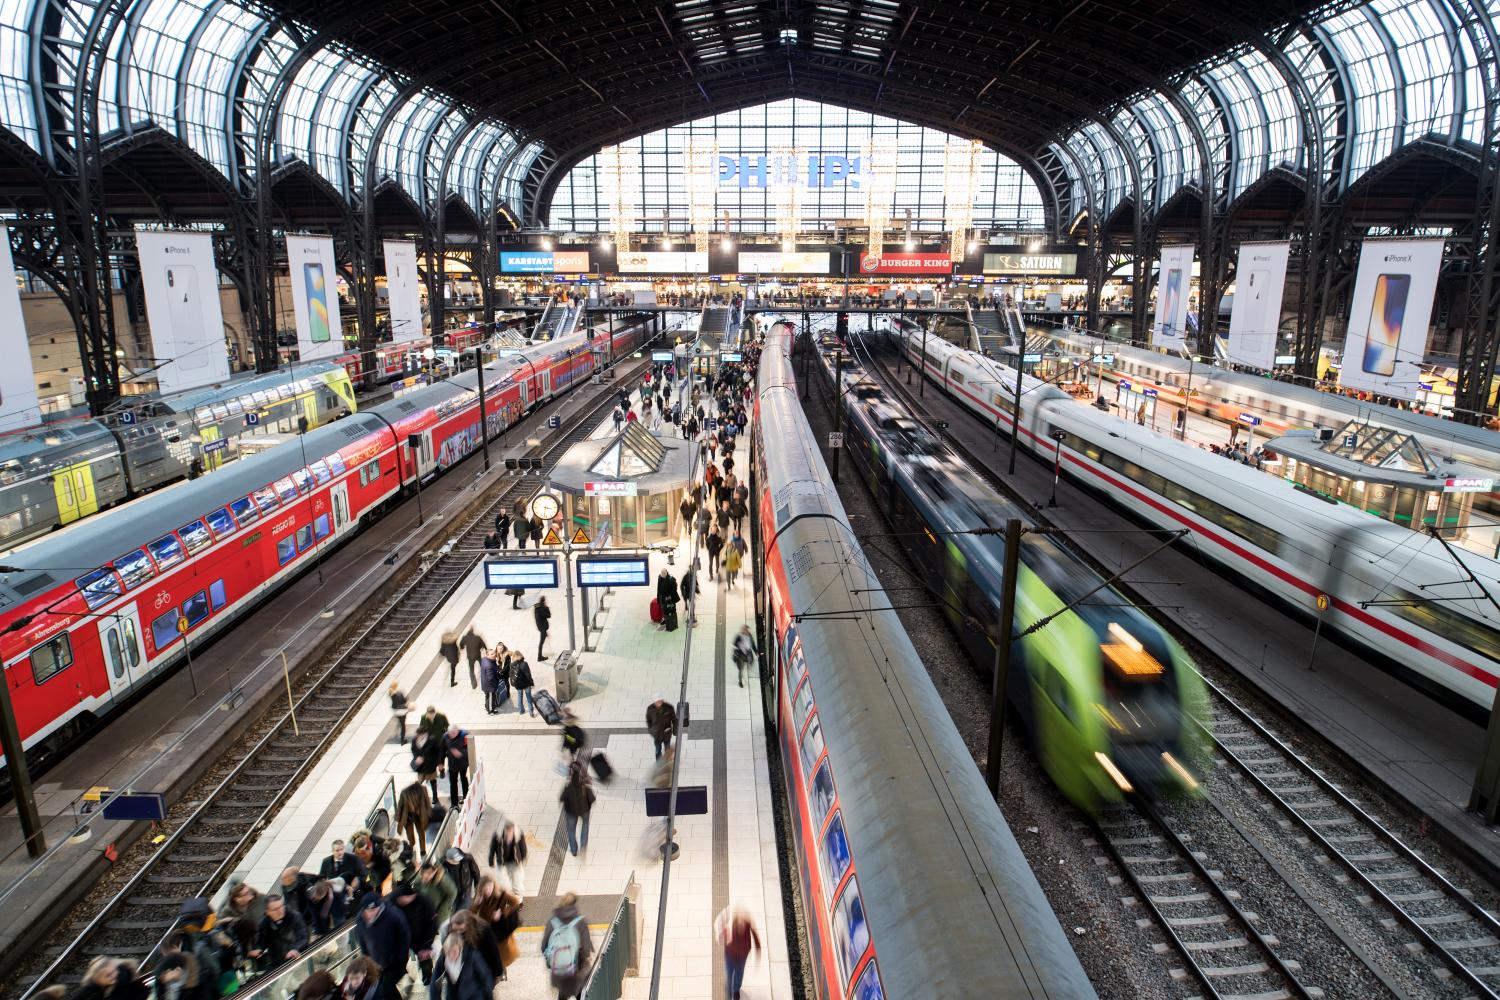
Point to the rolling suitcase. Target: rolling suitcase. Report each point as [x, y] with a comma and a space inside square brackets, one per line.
[547, 706]
[669, 616]
[656, 611]
[603, 769]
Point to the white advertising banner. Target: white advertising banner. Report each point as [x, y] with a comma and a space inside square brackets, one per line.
[1393, 293]
[1173, 283]
[1260, 279]
[18, 404]
[402, 291]
[783, 263]
[315, 296]
[661, 262]
[183, 308]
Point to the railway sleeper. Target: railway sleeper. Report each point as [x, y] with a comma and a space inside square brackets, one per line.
[155, 879]
[208, 838]
[141, 925]
[1468, 944]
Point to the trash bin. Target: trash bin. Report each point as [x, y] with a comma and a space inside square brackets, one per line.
[565, 675]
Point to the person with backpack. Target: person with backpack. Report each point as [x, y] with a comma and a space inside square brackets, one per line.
[567, 948]
[521, 682]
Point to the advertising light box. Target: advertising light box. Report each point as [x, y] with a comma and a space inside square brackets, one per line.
[905, 263]
[613, 571]
[544, 261]
[751, 262]
[662, 356]
[1030, 263]
[501, 574]
[662, 262]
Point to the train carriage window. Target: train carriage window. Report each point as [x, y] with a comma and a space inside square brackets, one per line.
[195, 536]
[99, 587]
[167, 551]
[221, 412]
[336, 463]
[130, 641]
[851, 931]
[320, 526]
[370, 472]
[265, 500]
[833, 850]
[220, 522]
[116, 654]
[812, 745]
[822, 795]
[196, 608]
[164, 629]
[51, 658]
[216, 594]
[236, 408]
[304, 538]
[320, 472]
[286, 550]
[304, 481]
[134, 568]
[245, 511]
[203, 415]
[286, 489]
[802, 705]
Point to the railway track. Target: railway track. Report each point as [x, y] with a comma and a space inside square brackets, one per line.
[1384, 906]
[214, 831]
[1220, 942]
[1427, 915]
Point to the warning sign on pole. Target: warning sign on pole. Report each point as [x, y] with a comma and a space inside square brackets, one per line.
[580, 537]
[551, 537]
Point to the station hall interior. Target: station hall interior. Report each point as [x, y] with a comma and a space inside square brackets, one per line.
[813, 500]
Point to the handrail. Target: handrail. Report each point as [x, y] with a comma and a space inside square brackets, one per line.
[613, 957]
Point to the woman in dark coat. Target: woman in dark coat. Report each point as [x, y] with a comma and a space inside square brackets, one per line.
[489, 680]
[413, 814]
[461, 974]
[426, 755]
[480, 936]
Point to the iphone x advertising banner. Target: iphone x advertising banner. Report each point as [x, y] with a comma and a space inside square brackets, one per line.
[1259, 280]
[18, 404]
[1393, 294]
[315, 296]
[401, 289]
[183, 309]
[1172, 285]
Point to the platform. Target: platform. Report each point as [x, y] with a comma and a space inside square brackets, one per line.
[730, 855]
[1423, 751]
[167, 738]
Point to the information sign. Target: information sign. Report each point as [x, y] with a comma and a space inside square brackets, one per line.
[730, 357]
[1249, 418]
[662, 356]
[502, 574]
[613, 571]
[212, 446]
[835, 439]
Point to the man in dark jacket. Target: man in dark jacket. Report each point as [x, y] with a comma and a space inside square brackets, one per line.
[472, 644]
[283, 934]
[439, 891]
[661, 719]
[421, 919]
[385, 938]
[543, 616]
[690, 588]
[456, 755]
[464, 871]
[343, 864]
[293, 887]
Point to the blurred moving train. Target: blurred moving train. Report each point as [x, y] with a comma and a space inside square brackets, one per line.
[1112, 704]
[1281, 406]
[77, 642]
[912, 883]
[60, 472]
[1397, 592]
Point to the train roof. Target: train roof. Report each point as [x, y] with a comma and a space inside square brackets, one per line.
[98, 540]
[38, 441]
[186, 400]
[947, 891]
[1436, 428]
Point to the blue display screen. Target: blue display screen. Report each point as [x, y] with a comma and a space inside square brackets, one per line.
[500, 574]
[614, 571]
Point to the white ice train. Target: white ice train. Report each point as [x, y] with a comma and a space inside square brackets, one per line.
[1397, 591]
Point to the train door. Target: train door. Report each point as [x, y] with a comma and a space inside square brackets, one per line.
[546, 384]
[73, 486]
[211, 459]
[421, 456]
[120, 638]
[340, 497]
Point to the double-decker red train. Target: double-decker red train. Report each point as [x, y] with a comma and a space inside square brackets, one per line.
[393, 361]
[90, 613]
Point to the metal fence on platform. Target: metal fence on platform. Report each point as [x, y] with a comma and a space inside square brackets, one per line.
[618, 956]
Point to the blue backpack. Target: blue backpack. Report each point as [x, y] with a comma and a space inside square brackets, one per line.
[562, 947]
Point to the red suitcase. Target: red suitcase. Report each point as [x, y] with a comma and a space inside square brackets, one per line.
[656, 610]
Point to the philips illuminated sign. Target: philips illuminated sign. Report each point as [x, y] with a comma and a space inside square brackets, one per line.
[814, 170]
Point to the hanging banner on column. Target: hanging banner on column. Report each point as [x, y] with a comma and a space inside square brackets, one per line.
[1387, 336]
[1172, 286]
[183, 309]
[18, 404]
[315, 296]
[402, 292]
[1260, 278]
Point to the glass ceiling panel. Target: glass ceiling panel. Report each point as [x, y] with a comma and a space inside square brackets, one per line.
[17, 111]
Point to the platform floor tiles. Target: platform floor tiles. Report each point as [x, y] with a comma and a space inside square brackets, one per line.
[728, 856]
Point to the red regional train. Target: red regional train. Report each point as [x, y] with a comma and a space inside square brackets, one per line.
[90, 613]
[393, 361]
